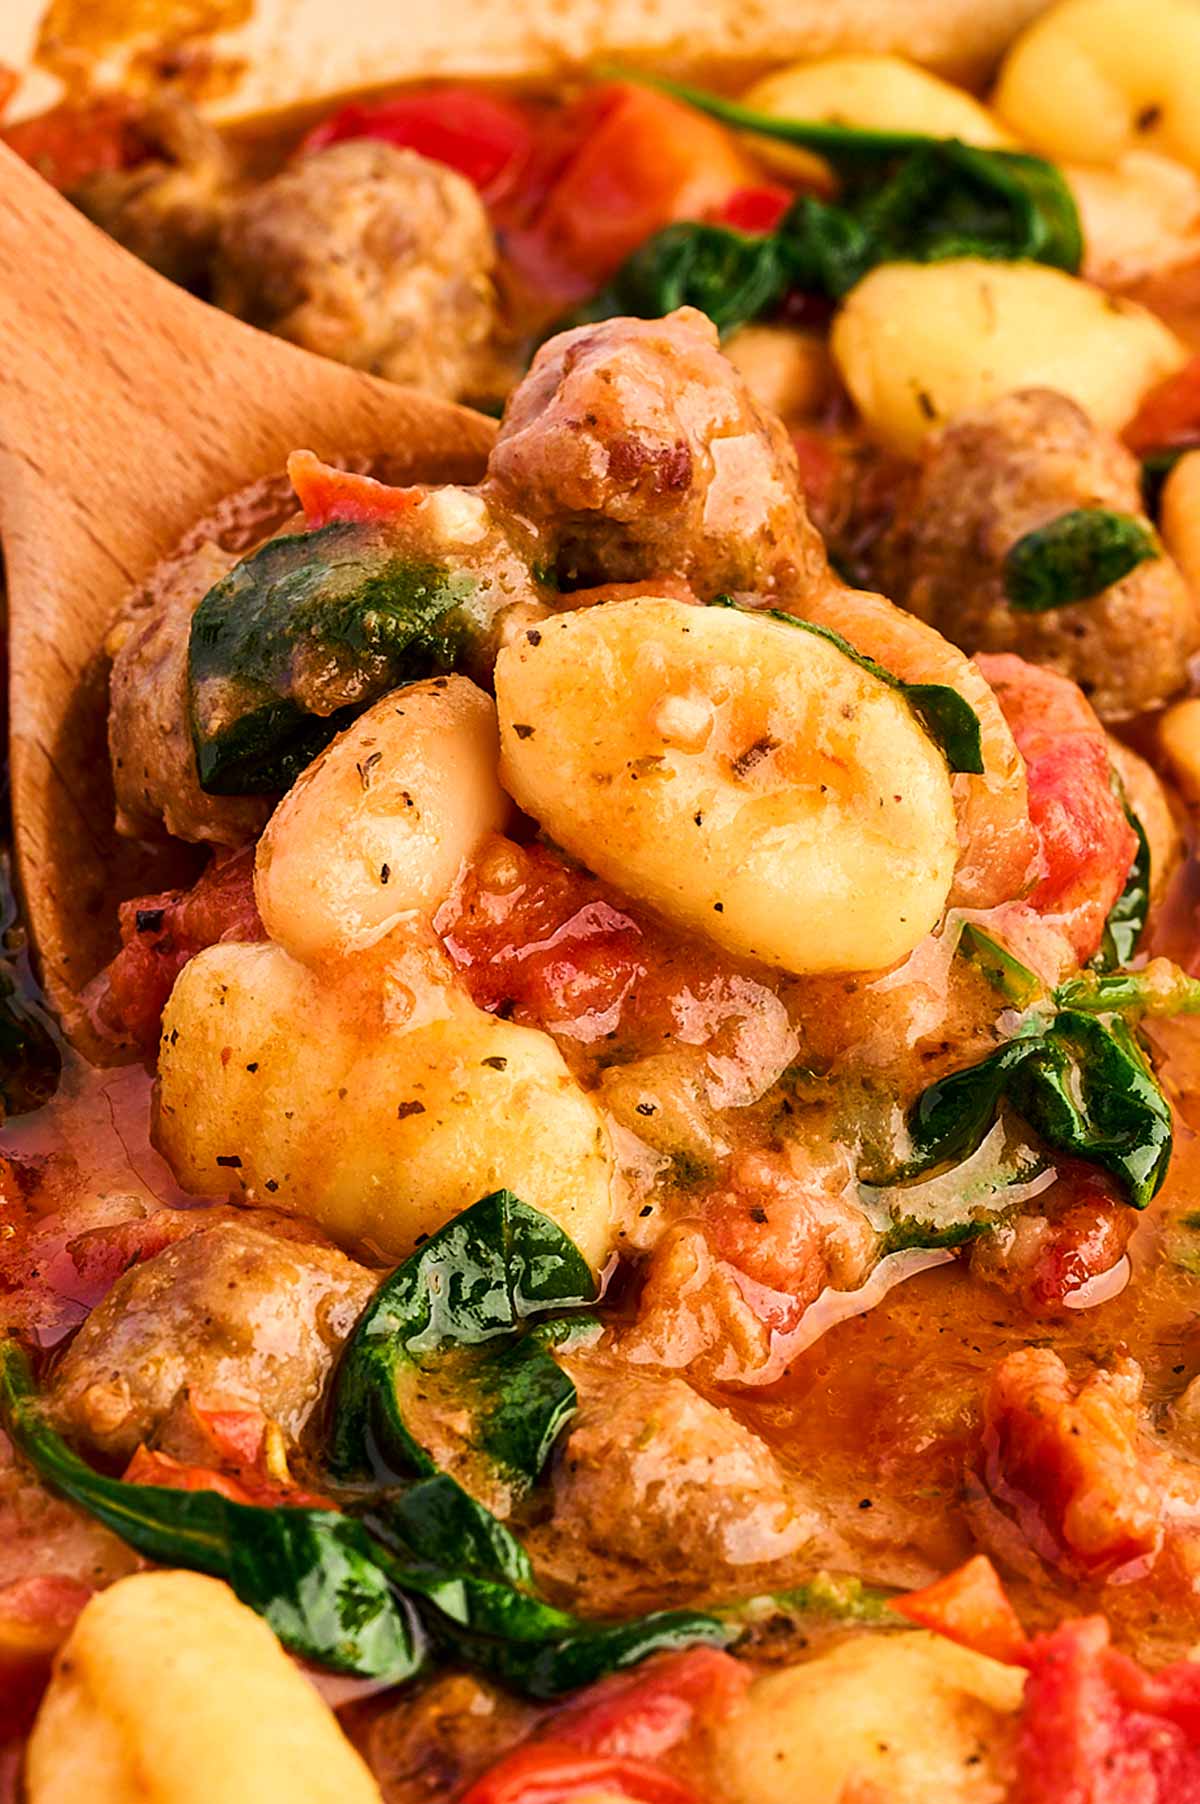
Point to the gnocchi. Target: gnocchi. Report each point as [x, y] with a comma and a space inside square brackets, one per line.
[918, 344]
[379, 825]
[169, 1691]
[881, 93]
[1091, 79]
[375, 1099]
[909, 1718]
[1180, 517]
[755, 784]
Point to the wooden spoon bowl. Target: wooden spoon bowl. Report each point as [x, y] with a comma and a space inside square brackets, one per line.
[129, 412]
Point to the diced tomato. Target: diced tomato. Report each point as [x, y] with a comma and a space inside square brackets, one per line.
[235, 1431]
[755, 209]
[160, 933]
[615, 169]
[327, 494]
[551, 1772]
[1169, 416]
[1067, 1467]
[150, 1467]
[36, 1616]
[969, 1606]
[72, 142]
[643, 1716]
[483, 137]
[531, 933]
[1097, 1729]
[1087, 845]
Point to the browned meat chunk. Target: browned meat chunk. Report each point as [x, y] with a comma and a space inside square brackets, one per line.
[639, 452]
[661, 1486]
[168, 208]
[371, 255]
[995, 475]
[149, 732]
[233, 1310]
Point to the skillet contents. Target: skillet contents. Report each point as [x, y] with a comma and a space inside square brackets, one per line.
[639, 1224]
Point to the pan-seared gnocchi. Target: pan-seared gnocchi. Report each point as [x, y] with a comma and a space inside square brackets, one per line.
[879, 93]
[374, 1098]
[169, 1691]
[918, 344]
[379, 825]
[909, 1718]
[752, 782]
[1093, 78]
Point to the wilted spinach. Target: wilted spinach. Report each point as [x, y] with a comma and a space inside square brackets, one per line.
[1082, 1084]
[1129, 913]
[311, 1574]
[905, 196]
[1074, 557]
[473, 1311]
[302, 634]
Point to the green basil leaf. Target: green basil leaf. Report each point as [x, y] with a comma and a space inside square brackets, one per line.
[1129, 913]
[300, 636]
[1081, 1084]
[450, 1324]
[1074, 557]
[311, 1574]
[946, 716]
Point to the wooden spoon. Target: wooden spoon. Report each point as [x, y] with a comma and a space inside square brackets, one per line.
[127, 411]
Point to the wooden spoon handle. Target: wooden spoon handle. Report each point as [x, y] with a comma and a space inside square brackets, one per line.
[127, 411]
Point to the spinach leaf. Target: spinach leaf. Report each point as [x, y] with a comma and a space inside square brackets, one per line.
[1081, 1084]
[956, 1205]
[476, 1595]
[732, 276]
[1159, 989]
[946, 716]
[826, 1595]
[449, 1321]
[906, 197]
[302, 634]
[311, 1574]
[949, 199]
[1128, 914]
[1074, 557]
[1015, 981]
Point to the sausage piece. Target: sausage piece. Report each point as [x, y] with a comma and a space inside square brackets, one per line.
[986, 481]
[639, 452]
[371, 255]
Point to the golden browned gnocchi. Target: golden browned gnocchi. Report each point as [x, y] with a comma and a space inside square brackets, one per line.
[169, 1691]
[379, 825]
[881, 93]
[918, 344]
[754, 783]
[1091, 79]
[908, 1718]
[373, 1097]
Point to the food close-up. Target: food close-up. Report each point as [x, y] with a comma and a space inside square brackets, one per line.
[600, 983]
